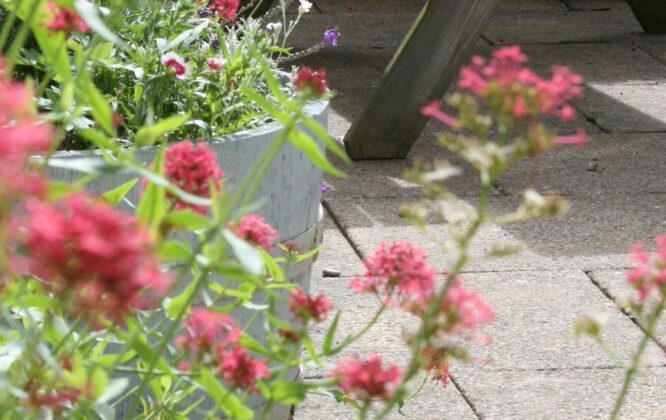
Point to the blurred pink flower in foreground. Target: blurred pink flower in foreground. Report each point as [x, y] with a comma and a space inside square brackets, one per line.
[99, 256]
[254, 229]
[366, 379]
[307, 307]
[398, 269]
[649, 275]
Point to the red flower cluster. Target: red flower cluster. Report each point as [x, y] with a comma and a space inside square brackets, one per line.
[307, 307]
[464, 309]
[241, 370]
[64, 19]
[254, 229]
[436, 364]
[227, 10]
[397, 269]
[194, 169]
[505, 82]
[366, 379]
[310, 83]
[100, 257]
[211, 336]
[20, 137]
[205, 331]
[649, 275]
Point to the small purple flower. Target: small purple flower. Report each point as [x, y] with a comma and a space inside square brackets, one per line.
[324, 188]
[205, 12]
[331, 36]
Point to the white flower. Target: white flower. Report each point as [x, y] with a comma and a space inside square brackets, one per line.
[177, 64]
[304, 7]
[274, 26]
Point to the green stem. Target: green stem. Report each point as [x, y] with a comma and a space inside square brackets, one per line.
[8, 24]
[20, 38]
[352, 338]
[434, 307]
[635, 360]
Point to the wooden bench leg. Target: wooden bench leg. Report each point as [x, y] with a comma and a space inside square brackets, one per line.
[421, 70]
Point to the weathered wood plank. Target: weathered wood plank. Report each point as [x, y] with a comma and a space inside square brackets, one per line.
[421, 70]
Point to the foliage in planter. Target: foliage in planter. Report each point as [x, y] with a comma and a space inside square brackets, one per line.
[163, 59]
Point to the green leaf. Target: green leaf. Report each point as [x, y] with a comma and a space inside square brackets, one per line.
[227, 401]
[188, 219]
[116, 195]
[114, 389]
[272, 265]
[175, 251]
[100, 108]
[303, 257]
[327, 347]
[307, 145]
[249, 342]
[58, 190]
[288, 393]
[88, 13]
[312, 351]
[319, 131]
[246, 254]
[185, 38]
[85, 165]
[177, 304]
[152, 208]
[149, 134]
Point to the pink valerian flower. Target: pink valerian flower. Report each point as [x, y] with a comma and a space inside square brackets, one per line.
[504, 80]
[64, 19]
[97, 258]
[227, 10]
[21, 136]
[311, 83]
[437, 364]
[192, 168]
[254, 229]
[176, 64]
[240, 370]
[578, 139]
[206, 332]
[463, 310]
[216, 64]
[648, 277]
[397, 269]
[307, 307]
[432, 110]
[366, 379]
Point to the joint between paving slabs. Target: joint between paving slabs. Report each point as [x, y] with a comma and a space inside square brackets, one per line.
[467, 399]
[633, 319]
[342, 230]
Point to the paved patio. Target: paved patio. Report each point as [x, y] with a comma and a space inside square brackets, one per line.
[570, 266]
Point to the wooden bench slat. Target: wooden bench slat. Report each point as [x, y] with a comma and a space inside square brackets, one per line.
[421, 70]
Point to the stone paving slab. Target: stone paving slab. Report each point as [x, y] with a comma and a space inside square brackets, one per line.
[561, 26]
[434, 403]
[547, 245]
[566, 169]
[563, 394]
[614, 282]
[336, 253]
[536, 313]
[600, 64]
[625, 108]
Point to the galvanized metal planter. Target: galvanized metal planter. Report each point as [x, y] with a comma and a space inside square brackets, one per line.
[290, 197]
